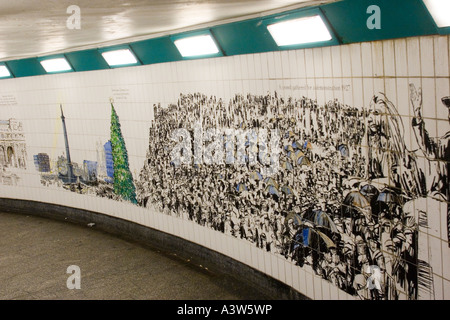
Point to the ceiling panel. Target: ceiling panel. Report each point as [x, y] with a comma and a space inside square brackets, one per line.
[32, 28]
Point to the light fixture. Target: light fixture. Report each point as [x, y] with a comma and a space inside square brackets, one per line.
[299, 31]
[55, 65]
[439, 10]
[120, 57]
[197, 46]
[4, 72]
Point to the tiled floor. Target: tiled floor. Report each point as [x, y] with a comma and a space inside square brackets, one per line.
[35, 254]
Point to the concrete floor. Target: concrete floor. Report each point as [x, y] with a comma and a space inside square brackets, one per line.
[35, 253]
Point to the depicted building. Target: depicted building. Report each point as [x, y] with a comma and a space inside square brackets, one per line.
[13, 151]
[101, 162]
[90, 168]
[109, 161]
[42, 162]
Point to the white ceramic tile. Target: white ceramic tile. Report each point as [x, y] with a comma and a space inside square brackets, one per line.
[356, 60]
[237, 67]
[301, 64]
[347, 87]
[273, 266]
[295, 283]
[262, 262]
[326, 290]
[402, 104]
[342, 295]
[268, 264]
[251, 66]
[426, 56]
[438, 293]
[346, 61]
[247, 253]
[309, 285]
[292, 65]
[266, 86]
[285, 65]
[309, 63]
[358, 99]
[413, 52]
[334, 292]
[401, 60]
[329, 89]
[441, 56]
[327, 62]
[389, 58]
[318, 62]
[258, 67]
[320, 91]
[277, 64]
[446, 289]
[391, 89]
[286, 274]
[254, 257]
[274, 85]
[338, 93]
[368, 90]
[445, 258]
[366, 59]
[336, 61]
[311, 92]
[301, 280]
[317, 288]
[264, 65]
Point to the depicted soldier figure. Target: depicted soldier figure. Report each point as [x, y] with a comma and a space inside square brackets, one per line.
[435, 149]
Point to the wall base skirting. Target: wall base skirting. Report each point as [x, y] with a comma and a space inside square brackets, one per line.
[158, 240]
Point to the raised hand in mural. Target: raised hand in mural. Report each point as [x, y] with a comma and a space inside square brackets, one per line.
[435, 149]
[416, 101]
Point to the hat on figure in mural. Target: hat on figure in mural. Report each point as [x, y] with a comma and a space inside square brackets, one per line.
[446, 102]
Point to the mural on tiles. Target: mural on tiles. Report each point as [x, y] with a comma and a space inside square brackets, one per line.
[109, 176]
[332, 187]
[13, 152]
[347, 198]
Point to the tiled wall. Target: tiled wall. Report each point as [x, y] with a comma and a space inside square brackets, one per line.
[409, 238]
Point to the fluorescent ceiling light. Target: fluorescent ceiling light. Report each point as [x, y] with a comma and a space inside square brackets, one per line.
[440, 11]
[299, 31]
[4, 72]
[196, 46]
[55, 65]
[119, 57]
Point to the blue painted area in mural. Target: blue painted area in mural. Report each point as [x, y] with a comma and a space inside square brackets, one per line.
[109, 162]
[42, 162]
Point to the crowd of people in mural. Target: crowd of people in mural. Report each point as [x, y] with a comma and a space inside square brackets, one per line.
[335, 205]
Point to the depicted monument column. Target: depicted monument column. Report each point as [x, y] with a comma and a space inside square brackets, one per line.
[70, 175]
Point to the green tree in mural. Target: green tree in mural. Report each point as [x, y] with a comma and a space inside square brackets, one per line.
[123, 179]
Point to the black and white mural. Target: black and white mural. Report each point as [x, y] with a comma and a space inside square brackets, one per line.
[300, 158]
[328, 186]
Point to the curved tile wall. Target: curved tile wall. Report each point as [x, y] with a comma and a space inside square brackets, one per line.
[324, 168]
